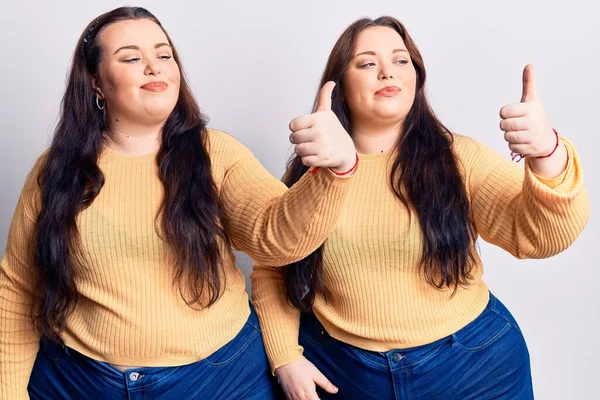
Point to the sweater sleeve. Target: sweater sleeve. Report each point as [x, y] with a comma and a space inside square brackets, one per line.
[18, 338]
[512, 208]
[274, 225]
[279, 321]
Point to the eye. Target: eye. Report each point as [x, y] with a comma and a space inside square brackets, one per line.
[367, 65]
[131, 60]
[402, 62]
[167, 57]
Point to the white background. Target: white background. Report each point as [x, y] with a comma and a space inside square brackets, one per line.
[255, 65]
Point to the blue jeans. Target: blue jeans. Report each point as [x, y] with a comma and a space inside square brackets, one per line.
[238, 370]
[487, 359]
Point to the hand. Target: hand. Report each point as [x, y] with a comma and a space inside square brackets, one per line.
[320, 139]
[299, 379]
[525, 126]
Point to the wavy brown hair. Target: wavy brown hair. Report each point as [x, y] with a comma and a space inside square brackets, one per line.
[425, 177]
[190, 220]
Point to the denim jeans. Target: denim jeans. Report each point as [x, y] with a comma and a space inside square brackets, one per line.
[487, 359]
[238, 370]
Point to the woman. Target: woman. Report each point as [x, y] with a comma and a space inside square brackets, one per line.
[393, 303]
[119, 253]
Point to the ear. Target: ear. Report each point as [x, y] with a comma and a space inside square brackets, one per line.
[96, 85]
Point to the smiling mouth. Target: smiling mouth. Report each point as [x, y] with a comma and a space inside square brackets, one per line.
[389, 91]
[155, 87]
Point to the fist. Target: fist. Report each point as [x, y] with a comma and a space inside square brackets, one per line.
[525, 126]
[319, 138]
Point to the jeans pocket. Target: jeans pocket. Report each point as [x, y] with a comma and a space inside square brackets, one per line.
[235, 347]
[485, 330]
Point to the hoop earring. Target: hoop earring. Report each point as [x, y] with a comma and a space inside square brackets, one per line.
[98, 103]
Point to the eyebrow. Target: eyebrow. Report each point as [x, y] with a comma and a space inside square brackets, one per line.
[133, 47]
[372, 53]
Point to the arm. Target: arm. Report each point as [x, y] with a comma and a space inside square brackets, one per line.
[280, 326]
[527, 215]
[273, 225]
[18, 338]
[279, 321]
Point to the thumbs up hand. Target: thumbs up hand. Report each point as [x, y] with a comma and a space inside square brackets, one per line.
[320, 139]
[525, 126]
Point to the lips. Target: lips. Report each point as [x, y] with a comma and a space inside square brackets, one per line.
[155, 86]
[388, 91]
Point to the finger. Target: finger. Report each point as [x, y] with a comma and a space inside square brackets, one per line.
[517, 137]
[514, 110]
[324, 100]
[514, 124]
[312, 161]
[323, 382]
[302, 122]
[519, 149]
[529, 88]
[303, 136]
[307, 149]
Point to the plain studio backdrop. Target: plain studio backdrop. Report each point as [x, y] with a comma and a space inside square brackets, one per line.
[253, 66]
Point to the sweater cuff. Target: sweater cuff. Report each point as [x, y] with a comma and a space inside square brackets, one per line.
[566, 184]
[286, 358]
[332, 175]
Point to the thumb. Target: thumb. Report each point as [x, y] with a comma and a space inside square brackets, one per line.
[323, 382]
[324, 100]
[529, 89]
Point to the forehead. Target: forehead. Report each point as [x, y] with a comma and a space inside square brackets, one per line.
[379, 38]
[140, 32]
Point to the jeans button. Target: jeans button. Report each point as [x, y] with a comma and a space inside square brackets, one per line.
[134, 376]
[397, 357]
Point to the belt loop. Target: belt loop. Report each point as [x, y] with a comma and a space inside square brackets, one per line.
[452, 340]
[492, 305]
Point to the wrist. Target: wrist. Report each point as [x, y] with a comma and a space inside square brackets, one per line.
[555, 146]
[345, 168]
[518, 157]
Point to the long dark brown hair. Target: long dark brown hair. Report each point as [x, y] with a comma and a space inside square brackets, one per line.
[424, 176]
[189, 220]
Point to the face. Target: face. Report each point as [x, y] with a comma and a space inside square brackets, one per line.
[380, 80]
[138, 76]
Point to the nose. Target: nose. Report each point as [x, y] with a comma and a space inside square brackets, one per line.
[385, 72]
[152, 68]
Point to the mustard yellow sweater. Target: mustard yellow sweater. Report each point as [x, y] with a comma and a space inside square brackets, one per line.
[129, 312]
[378, 298]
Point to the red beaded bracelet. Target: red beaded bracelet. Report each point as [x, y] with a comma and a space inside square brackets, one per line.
[555, 146]
[514, 155]
[316, 169]
[350, 170]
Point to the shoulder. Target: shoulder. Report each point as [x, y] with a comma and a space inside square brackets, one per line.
[221, 144]
[464, 144]
[471, 151]
[226, 152]
[31, 192]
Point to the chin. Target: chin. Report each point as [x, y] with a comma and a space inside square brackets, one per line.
[391, 110]
[161, 111]
[390, 114]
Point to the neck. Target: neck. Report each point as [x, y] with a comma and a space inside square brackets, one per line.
[133, 139]
[370, 139]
